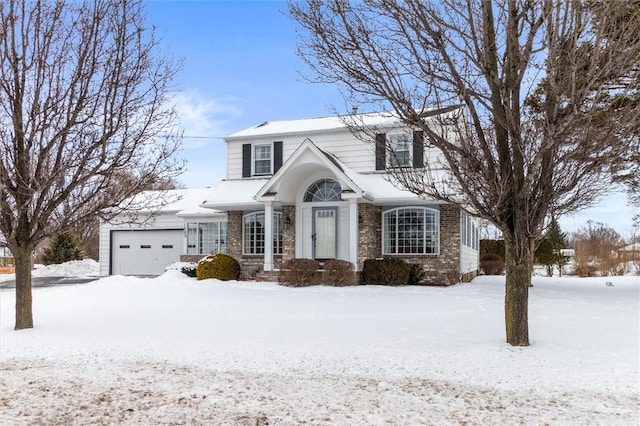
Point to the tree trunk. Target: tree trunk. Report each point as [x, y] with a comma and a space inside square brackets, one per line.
[24, 315]
[519, 261]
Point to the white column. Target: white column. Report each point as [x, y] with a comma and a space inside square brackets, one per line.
[268, 236]
[353, 232]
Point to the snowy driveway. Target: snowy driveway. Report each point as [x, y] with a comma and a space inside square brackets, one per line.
[38, 282]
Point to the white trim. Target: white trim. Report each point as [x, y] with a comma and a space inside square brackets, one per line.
[254, 159]
[353, 232]
[268, 236]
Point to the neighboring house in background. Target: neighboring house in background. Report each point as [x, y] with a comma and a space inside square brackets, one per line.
[629, 258]
[7, 262]
[311, 189]
[629, 253]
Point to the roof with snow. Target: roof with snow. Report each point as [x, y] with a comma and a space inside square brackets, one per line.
[384, 119]
[318, 124]
[171, 201]
[235, 194]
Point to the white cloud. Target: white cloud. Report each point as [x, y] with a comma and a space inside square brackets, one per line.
[205, 119]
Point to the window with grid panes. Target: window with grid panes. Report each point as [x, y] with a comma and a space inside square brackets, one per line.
[262, 159]
[253, 233]
[411, 230]
[206, 237]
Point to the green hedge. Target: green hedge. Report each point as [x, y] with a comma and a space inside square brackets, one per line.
[387, 271]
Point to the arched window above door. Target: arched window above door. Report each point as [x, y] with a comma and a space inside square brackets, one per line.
[323, 190]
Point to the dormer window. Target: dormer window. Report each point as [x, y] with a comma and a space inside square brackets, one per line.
[262, 159]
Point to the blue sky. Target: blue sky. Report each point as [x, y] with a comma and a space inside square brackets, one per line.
[241, 69]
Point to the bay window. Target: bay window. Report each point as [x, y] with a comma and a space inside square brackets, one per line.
[411, 230]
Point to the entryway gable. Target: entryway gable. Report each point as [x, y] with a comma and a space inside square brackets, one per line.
[307, 160]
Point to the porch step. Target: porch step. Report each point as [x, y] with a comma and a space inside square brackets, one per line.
[269, 276]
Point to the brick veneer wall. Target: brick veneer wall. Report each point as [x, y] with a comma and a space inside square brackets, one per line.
[250, 265]
[442, 269]
[369, 233]
[289, 235]
[234, 234]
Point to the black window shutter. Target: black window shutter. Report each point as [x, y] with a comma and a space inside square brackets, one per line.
[381, 141]
[418, 149]
[277, 156]
[246, 160]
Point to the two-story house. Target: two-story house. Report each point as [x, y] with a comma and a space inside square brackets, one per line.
[312, 188]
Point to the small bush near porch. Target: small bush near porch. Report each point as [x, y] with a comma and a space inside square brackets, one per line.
[339, 273]
[299, 273]
[387, 271]
[219, 266]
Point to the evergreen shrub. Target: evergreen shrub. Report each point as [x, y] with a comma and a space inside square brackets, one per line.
[299, 272]
[189, 270]
[339, 273]
[219, 266]
[492, 246]
[492, 264]
[64, 248]
[387, 271]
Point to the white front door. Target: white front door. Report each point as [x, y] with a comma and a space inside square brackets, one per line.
[324, 232]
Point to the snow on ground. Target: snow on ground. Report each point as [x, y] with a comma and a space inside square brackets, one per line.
[173, 350]
[74, 268]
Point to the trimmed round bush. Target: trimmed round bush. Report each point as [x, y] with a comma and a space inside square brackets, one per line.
[492, 264]
[219, 266]
[339, 273]
[299, 272]
[387, 271]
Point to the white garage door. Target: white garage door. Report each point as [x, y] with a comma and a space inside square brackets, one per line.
[144, 252]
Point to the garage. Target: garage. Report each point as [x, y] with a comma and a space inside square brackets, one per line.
[144, 252]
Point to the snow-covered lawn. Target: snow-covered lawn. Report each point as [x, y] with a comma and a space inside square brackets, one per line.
[172, 350]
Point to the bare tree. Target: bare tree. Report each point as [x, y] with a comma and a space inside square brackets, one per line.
[88, 233]
[531, 78]
[84, 94]
[595, 248]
